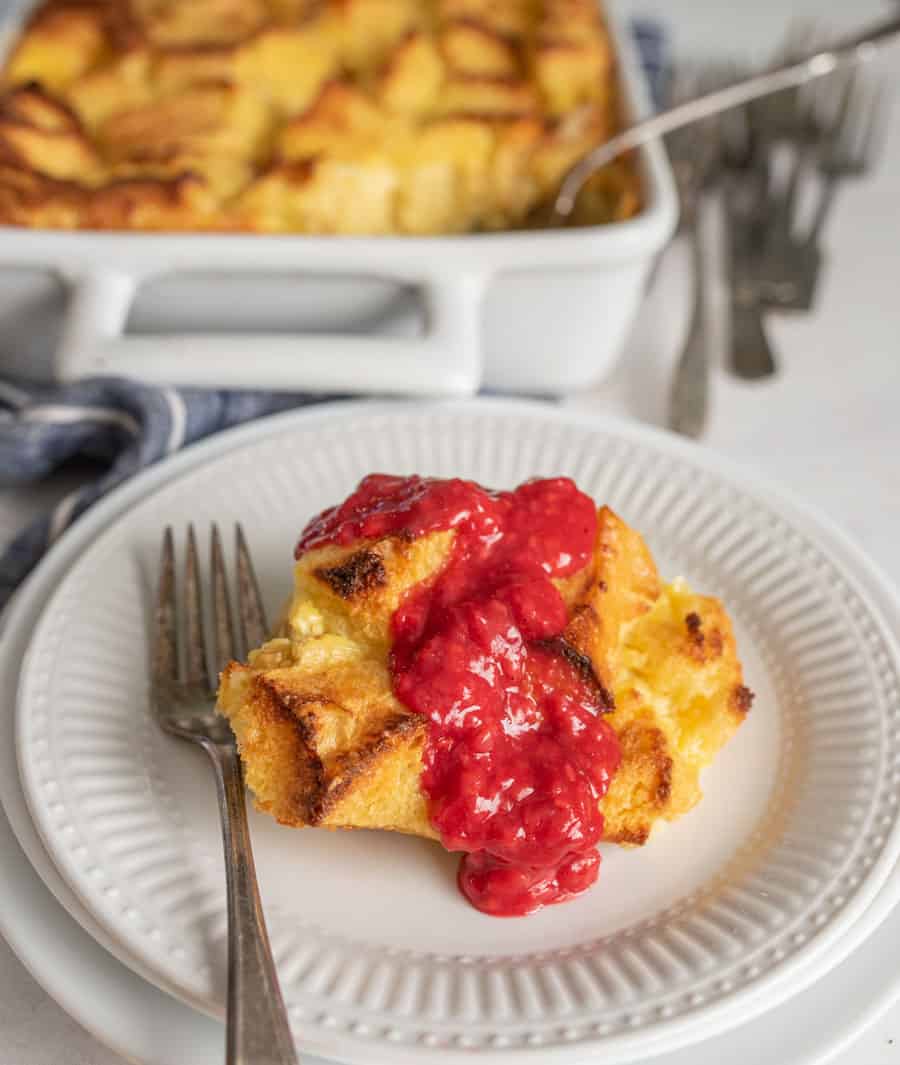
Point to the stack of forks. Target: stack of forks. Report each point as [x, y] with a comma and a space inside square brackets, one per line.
[773, 168]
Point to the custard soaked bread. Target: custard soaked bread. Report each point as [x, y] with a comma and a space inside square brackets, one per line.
[325, 741]
[307, 116]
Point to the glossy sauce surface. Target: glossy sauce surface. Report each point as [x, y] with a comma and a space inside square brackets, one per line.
[518, 754]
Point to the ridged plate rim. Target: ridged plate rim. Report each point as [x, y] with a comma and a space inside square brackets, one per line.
[404, 410]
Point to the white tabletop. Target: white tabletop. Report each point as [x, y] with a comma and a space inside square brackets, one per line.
[828, 426]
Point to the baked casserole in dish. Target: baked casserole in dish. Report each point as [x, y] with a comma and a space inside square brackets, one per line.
[365, 117]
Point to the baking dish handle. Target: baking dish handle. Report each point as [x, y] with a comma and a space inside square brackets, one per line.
[446, 360]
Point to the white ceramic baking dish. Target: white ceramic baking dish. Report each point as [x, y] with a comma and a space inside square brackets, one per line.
[537, 312]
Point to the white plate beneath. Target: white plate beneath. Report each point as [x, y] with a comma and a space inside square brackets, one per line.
[664, 951]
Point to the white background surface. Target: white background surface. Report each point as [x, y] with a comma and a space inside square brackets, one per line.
[828, 426]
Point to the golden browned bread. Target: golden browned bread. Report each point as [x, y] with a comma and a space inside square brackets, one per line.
[311, 116]
[324, 741]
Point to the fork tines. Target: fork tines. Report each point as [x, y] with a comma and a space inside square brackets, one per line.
[196, 666]
[254, 629]
[853, 138]
[165, 657]
[226, 644]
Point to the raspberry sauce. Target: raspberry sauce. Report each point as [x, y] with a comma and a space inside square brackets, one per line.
[518, 754]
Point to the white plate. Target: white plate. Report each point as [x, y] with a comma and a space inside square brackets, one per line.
[150, 1027]
[665, 951]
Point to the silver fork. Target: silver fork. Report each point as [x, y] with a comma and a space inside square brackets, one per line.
[792, 260]
[183, 694]
[695, 155]
[758, 219]
[776, 264]
[850, 151]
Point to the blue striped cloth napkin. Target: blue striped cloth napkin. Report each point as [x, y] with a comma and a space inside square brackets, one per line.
[123, 425]
[126, 425]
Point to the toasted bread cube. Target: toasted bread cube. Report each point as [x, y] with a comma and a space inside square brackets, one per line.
[60, 156]
[290, 65]
[26, 194]
[569, 75]
[349, 755]
[679, 699]
[40, 134]
[173, 70]
[58, 45]
[470, 48]
[200, 22]
[183, 201]
[412, 78]
[624, 586]
[369, 29]
[488, 97]
[511, 18]
[355, 592]
[294, 12]
[467, 145]
[214, 119]
[329, 195]
[341, 122]
[516, 191]
[571, 56]
[351, 752]
[120, 85]
[33, 107]
[428, 199]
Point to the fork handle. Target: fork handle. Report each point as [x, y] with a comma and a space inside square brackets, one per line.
[751, 354]
[258, 1032]
[823, 208]
[689, 398]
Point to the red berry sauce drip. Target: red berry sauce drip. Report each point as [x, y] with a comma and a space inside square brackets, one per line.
[518, 755]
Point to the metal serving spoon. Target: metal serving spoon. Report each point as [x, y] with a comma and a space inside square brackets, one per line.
[851, 49]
